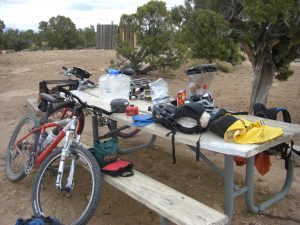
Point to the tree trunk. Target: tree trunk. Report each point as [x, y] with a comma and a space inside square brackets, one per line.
[263, 74]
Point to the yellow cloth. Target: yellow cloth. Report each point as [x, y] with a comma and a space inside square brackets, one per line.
[245, 132]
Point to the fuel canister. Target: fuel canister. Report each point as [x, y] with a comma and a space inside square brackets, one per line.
[132, 110]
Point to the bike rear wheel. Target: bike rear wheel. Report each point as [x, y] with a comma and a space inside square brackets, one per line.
[60, 111]
[20, 155]
[75, 206]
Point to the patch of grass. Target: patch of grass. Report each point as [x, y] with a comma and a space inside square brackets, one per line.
[225, 67]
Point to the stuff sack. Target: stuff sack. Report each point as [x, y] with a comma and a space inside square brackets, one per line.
[41, 220]
[118, 168]
[106, 151]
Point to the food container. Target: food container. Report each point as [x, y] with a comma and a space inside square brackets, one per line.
[200, 79]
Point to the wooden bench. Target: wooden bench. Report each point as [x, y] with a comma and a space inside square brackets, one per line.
[168, 203]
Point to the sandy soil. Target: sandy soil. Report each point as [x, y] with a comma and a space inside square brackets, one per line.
[20, 74]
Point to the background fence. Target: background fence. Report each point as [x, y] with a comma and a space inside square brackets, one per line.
[107, 33]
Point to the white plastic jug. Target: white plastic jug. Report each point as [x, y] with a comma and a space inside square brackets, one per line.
[113, 86]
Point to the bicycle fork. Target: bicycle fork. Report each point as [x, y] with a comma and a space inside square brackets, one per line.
[64, 153]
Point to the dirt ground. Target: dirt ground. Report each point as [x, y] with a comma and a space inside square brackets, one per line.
[20, 74]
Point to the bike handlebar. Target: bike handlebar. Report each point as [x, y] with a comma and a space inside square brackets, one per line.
[82, 76]
[95, 108]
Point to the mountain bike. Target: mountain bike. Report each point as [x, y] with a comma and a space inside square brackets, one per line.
[67, 184]
[64, 109]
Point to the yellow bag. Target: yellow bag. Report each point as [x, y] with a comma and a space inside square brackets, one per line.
[245, 132]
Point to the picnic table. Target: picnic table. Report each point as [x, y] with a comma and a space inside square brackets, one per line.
[213, 143]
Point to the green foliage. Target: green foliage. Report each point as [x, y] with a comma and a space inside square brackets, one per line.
[225, 67]
[158, 46]
[18, 40]
[2, 26]
[60, 32]
[88, 36]
[261, 28]
[205, 32]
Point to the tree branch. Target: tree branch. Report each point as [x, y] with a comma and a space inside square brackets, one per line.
[248, 50]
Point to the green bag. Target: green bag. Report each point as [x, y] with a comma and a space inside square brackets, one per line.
[106, 151]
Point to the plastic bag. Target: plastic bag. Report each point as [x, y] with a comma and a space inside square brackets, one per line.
[159, 91]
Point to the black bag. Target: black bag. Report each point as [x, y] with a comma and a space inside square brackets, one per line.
[168, 115]
[284, 149]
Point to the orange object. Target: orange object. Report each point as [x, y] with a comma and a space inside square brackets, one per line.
[262, 162]
[181, 97]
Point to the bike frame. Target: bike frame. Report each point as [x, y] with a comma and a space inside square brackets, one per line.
[40, 158]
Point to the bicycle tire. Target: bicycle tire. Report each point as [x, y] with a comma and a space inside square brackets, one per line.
[57, 112]
[43, 195]
[29, 145]
[61, 111]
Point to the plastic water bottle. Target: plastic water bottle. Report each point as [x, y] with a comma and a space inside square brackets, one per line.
[51, 136]
[114, 86]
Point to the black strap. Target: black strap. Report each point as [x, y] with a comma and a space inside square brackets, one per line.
[294, 150]
[272, 112]
[173, 132]
[286, 155]
[198, 149]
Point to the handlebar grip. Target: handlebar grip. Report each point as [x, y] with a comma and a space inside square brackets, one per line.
[64, 68]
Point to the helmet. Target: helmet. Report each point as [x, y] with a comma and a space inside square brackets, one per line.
[164, 114]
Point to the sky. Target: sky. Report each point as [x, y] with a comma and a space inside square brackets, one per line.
[26, 14]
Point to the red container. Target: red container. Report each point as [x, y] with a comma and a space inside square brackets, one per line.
[181, 97]
[132, 110]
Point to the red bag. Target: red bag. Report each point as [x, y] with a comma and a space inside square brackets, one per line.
[118, 168]
[262, 162]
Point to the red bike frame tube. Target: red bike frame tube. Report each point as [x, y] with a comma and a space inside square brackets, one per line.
[27, 135]
[49, 149]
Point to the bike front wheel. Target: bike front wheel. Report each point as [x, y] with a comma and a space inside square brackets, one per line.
[71, 206]
[20, 149]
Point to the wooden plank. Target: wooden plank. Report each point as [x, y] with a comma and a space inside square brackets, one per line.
[208, 140]
[166, 201]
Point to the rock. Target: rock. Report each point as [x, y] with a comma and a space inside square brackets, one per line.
[290, 196]
[106, 212]
[260, 179]
[292, 209]
[13, 192]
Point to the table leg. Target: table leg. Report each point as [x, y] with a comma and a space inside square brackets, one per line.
[163, 220]
[95, 128]
[228, 189]
[276, 198]
[136, 147]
